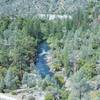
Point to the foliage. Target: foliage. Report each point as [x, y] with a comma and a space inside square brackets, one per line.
[2, 84]
[74, 43]
[28, 80]
[64, 94]
[89, 69]
[18, 43]
[79, 86]
[11, 78]
[49, 96]
[33, 7]
[60, 80]
[95, 95]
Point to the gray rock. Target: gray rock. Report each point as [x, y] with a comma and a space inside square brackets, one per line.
[28, 97]
[98, 62]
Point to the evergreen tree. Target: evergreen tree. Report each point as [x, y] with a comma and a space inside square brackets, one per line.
[79, 86]
[11, 79]
[25, 78]
[2, 84]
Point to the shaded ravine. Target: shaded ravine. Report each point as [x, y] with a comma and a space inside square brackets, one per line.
[41, 63]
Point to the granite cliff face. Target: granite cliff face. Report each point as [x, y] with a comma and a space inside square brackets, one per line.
[31, 7]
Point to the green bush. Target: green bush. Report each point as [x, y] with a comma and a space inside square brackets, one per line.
[49, 96]
[13, 93]
[64, 94]
[60, 79]
[89, 69]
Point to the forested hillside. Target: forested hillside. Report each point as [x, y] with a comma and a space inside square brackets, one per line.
[57, 59]
[31, 7]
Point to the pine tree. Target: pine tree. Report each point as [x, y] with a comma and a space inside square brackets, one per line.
[25, 78]
[2, 84]
[79, 86]
[11, 79]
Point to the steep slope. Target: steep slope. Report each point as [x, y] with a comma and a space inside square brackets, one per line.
[31, 7]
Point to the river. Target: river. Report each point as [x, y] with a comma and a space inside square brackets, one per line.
[41, 63]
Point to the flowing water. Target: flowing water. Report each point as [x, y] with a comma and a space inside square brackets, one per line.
[41, 64]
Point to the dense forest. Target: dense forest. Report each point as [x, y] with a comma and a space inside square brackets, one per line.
[73, 57]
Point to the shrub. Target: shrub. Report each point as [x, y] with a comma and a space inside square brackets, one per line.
[13, 93]
[60, 79]
[64, 94]
[79, 86]
[49, 96]
[11, 78]
[89, 69]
